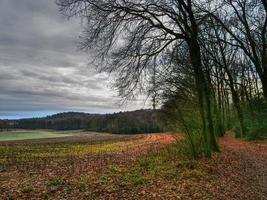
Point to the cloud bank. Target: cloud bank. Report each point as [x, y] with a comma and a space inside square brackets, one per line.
[42, 72]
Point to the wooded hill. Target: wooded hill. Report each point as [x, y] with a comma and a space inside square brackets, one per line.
[139, 121]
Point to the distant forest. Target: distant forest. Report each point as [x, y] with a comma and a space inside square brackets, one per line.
[140, 121]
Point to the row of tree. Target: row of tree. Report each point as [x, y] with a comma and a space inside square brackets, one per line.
[140, 121]
[204, 60]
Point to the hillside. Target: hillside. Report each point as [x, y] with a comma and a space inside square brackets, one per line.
[139, 121]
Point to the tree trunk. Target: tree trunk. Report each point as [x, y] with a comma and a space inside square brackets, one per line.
[213, 143]
[237, 105]
[264, 85]
[239, 113]
[203, 98]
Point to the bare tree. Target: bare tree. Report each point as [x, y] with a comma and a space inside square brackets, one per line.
[129, 35]
[246, 23]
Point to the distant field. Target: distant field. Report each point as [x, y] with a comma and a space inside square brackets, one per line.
[28, 135]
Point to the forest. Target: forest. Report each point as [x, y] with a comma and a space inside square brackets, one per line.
[131, 122]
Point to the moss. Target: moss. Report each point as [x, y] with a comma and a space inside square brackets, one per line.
[135, 177]
[27, 188]
[56, 182]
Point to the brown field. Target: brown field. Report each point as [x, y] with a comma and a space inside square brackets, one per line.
[105, 166]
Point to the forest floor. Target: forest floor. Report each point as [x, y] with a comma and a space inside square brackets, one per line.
[136, 167]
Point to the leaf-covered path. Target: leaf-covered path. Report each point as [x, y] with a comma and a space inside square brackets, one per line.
[240, 171]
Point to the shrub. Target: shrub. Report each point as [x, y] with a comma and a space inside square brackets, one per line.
[255, 119]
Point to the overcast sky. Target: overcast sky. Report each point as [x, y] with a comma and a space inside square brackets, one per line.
[42, 72]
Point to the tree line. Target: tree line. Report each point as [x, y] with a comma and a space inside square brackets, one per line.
[203, 61]
[132, 122]
[4, 125]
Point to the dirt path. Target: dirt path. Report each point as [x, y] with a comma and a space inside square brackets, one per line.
[240, 171]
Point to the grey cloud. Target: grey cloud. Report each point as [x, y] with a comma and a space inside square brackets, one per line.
[40, 67]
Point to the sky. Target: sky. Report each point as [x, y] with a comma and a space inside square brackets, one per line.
[42, 72]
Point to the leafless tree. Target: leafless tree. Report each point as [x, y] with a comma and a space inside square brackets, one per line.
[129, 35]
[246, 23]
